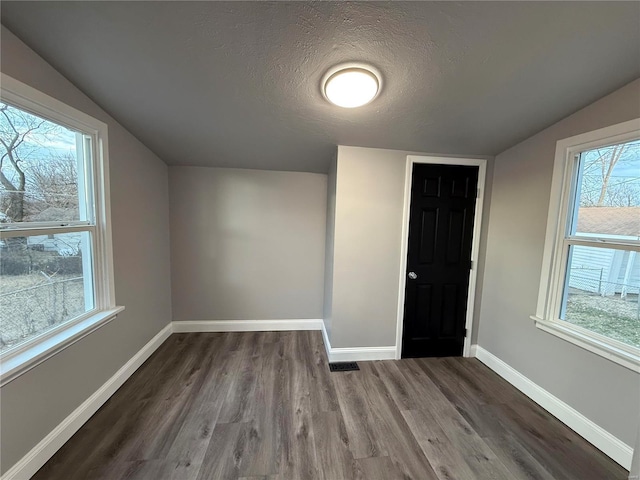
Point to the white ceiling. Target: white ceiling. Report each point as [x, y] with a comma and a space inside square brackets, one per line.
[237, 83]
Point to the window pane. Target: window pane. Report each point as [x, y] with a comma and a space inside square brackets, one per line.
[601, 292]
[45, 280]
[40, 167]
[609, 192]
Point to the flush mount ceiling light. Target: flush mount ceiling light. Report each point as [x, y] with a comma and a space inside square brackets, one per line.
[351, 85]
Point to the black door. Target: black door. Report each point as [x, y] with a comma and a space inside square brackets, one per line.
[443, 200]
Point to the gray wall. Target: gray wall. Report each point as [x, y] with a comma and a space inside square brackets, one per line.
[329, 238]
[36, 402]
[246, 244]
[368, 236]
[604, 392]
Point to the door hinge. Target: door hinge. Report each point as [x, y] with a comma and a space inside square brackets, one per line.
[465, 333]
[471, 267]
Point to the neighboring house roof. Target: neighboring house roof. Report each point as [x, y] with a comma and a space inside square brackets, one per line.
[611, 220]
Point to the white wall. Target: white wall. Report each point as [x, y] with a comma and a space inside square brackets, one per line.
[36, 402]
[604, 392]
[247, 244]
[366, 250]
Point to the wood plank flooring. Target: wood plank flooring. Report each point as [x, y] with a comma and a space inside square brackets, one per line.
[209, 406]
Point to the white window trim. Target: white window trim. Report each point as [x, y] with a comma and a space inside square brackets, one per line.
[24, 357]
[555, 252]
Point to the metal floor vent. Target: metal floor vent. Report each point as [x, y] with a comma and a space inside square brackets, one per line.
[343, 366]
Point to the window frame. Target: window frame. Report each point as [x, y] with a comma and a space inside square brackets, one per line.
[21, 358]
[559, 239]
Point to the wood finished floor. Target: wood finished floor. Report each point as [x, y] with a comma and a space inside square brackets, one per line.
[265, 406]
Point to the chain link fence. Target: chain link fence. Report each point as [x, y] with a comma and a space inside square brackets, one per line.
[591, 280]
[29, 311]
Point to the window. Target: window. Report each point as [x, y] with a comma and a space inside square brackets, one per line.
[591, 274]
[56, 280]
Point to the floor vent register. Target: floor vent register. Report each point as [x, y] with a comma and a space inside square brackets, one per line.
[343, 366]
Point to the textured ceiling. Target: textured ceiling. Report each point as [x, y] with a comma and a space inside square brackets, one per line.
[237, 83]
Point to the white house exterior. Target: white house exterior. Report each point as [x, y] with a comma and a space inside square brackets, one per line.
[603, 270]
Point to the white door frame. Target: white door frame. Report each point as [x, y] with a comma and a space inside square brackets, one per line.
[482, 172]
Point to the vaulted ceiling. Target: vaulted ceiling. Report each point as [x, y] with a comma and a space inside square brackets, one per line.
[238, 83]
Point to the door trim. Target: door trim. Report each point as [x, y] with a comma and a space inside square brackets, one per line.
[477, 227]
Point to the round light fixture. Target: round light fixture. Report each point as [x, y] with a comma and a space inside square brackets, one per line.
[351, 85]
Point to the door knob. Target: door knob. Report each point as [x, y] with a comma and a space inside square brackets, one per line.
[413, 275]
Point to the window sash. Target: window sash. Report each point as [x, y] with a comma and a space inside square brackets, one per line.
[550, 320]
[632, 245]
[571, 188]
[564, 273]
[559, 238]
[567, 239]
[48, 228]
[98, 304]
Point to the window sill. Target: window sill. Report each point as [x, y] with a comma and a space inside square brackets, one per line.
[22, 362]
[626, 356]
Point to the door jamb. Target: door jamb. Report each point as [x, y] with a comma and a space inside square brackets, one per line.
[482, 172]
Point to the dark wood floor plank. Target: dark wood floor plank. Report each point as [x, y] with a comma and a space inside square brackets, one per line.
[110, 438]
[334, 459]
[263, 452]
[163, 416]
[558, 447]
[405, 393]
[187, 452]
[499, 390]
[402, 446]
[155, 427]
[444, 457]
[239, 406]
[365, 439]
[298, 455]
[322, 392]
[469, 382]
[134, 470]
[263, 406]
[378, 468]
[222, 458]
[410, 387]
[444, 418]
[461, 399]
[517, 459]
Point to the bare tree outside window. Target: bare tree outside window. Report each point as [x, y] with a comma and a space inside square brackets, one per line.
[42, 277]
[38, 169]
[611, 176]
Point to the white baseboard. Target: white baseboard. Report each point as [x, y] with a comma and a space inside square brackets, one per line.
[594, 434]
[362, 354]
[246, 325]
[473, 350]
[49, 445]
[325, 340]
[334, 354]
[354, 354]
